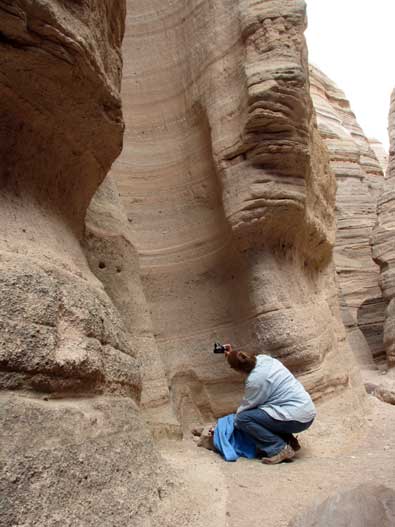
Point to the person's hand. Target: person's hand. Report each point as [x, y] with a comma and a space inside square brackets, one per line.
[228, 349]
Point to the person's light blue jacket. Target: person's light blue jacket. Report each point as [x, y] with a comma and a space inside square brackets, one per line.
[272, 387]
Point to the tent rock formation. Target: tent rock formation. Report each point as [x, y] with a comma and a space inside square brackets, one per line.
[69, 375]
[227, 189]
[217, 222]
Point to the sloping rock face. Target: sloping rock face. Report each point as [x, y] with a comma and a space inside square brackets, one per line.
[359, 178]
[73, 445]
[227, 187]
[384, 242]
[368, 505]
[112, 257]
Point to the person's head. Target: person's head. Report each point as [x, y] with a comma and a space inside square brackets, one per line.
[239, 361]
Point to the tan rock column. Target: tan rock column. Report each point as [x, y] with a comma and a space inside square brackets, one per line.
[228, 191]
[74, 449]
[279, 193]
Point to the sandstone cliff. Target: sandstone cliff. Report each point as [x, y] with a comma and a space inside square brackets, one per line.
[228, 191]
[359, 179]
[384, 242]
[227, 211]
[112, 257]
[69, 372]
[381, 153]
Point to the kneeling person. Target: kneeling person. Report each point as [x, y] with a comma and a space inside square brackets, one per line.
[275, 405]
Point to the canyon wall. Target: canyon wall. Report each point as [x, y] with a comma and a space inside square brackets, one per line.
[112, 257]
[217, 223]
[384, 242]
[230, 197]
[359, 177]
[380, 152]
[74, 448]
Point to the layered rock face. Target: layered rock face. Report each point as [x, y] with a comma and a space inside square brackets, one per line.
[72, 437]
[227, 197]
[384, 242]
[112, 257]
[228, 190]
[381, 153]
[359, 178]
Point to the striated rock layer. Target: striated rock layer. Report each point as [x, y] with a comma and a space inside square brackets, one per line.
[112, 257]
[381, 153]
[74, 448]
[384, 242]
[227, 201]
[359, 179]
[228, 190]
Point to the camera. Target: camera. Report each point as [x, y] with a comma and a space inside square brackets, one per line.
[219, 348]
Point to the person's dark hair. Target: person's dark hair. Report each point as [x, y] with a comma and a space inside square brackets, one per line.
[242, 362]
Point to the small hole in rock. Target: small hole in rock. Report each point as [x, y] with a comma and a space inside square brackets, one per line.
[102, 265]
[119, 269]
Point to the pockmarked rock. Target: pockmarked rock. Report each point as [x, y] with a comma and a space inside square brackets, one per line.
[67, 453]
[61, 128]
[74, 448]
[112, 257]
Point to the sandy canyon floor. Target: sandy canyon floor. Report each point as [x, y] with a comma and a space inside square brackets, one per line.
[338, 453]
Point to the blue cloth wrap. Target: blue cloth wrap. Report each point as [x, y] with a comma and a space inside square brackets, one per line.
[230, 442]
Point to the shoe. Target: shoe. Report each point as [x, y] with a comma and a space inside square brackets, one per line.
[294, 443]
[286, 453]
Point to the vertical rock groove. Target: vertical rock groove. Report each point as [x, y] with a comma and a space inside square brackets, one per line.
[70, 380]
[359, 181]
[228, 191]
[383, 241]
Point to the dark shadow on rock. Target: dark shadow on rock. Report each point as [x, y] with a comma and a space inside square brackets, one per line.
[371, 315]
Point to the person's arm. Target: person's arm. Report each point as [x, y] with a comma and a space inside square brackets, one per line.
[255, 394]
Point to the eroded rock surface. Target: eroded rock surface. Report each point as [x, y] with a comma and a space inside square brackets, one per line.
[368, 505]
[229, 200]
[228, 190]
[381, 153]
[114, 260]
[359, 179]
[61, 328]
[73, 444]
[384, 242]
